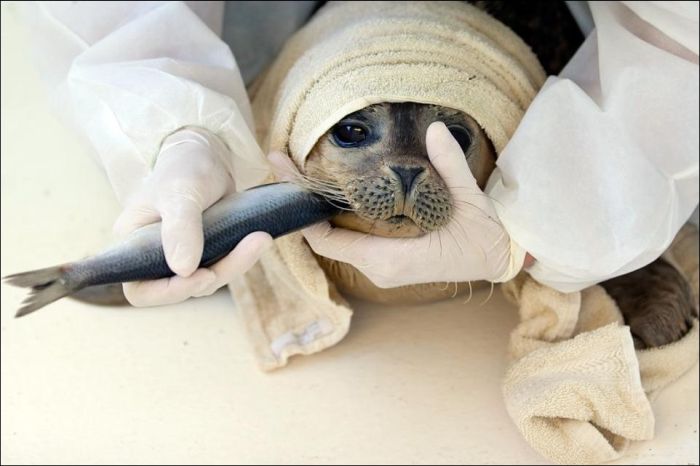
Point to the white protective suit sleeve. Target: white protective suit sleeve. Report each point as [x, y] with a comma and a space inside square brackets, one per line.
[602, 171]
[132, 73]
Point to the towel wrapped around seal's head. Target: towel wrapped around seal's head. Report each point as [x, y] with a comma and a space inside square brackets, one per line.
[356, 54]
[349, 56]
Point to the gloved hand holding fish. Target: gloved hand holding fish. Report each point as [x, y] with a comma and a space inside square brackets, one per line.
[234, 231]
[189, 176]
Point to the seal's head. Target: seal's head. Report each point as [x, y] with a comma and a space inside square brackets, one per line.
[376, 158]
[360, 62]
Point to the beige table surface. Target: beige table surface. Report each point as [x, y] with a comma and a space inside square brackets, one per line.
[178, 384]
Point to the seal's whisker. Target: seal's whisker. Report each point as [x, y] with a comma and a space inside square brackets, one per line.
[470, 293]
[489, 296]
[461, 228]
[447, 229]
[315, 180]
[326, 184]
[318, 185]
[479, 194]
[332, 193]
[478, 209]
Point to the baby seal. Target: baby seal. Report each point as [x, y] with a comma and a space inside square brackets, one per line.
[376, 158]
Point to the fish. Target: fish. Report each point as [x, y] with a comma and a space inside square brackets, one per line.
[276, 208]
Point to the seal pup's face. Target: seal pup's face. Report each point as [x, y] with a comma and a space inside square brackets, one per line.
[377, 159]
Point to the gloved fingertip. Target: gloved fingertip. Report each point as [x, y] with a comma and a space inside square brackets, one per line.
[439, 142]
[208, 284]
[248, 251]
[262, 241]
[132, 218]
[183, 241]
[435, 136]
[132, 295]
[206, 278]
[437, 127]
[447, 157]
[183, 260]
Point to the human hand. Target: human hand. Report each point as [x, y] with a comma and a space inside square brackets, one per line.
[188, 177]
[472, 246]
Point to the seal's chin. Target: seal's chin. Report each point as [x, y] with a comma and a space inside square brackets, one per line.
[398, 226]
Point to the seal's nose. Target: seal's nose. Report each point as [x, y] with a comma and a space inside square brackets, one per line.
[408, 176]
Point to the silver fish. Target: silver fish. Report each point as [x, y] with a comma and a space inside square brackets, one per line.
[277, 209]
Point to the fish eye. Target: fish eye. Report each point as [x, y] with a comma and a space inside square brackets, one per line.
[462, 135]
[349, 134]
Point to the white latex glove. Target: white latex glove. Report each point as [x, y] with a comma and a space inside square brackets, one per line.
[188, 177]
[473, 246]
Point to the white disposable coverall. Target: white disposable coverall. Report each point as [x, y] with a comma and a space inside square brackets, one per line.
[599, 177]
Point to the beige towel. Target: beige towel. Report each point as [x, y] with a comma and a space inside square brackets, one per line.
[576, 389]
[350, 55]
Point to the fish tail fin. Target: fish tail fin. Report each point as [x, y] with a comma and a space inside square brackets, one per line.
[47, 285]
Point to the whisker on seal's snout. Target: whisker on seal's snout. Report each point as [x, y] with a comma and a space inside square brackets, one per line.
[329, 190]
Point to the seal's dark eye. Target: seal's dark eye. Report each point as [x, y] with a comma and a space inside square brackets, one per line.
[462, 135]
[349, 134]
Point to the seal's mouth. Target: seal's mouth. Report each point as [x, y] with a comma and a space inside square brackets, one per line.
[402, 221]
[405, 221]
[397, 219]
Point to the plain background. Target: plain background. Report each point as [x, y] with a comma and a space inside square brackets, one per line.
[178, 384]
